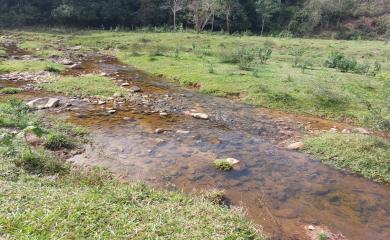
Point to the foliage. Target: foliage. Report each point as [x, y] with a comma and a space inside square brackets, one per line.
[340, 61]
[56, 141]
[302, 17]
[364, 154]
[10, 90]
[84, 86]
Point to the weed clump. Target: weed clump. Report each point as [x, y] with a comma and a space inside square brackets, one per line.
[56, 141]
[223, 165]
[10, 90]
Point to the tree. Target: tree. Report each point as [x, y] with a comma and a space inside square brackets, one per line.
[265, 9]
[226, 8]
[202, 11]
[175, 7]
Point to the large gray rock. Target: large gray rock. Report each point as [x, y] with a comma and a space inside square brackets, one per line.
[44, 103]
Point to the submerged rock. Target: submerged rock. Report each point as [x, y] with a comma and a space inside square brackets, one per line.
[135, 89]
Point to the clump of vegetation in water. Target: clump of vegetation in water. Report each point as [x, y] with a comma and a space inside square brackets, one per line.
[363, 154]
[10, 90]
[223, 165]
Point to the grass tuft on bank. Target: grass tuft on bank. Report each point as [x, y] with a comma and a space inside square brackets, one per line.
[363, 154]
[9, 66]
[42, 197]
[84, 86]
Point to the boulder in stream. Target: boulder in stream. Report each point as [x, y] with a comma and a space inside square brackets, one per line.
[44, 103]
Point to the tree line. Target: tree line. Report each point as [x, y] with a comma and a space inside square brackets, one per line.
[292, 17]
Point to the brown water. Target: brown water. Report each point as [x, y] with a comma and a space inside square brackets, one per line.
[282, 190]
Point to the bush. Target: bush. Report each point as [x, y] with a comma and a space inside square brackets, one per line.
[340, 61]
[53, 69]
[56, 141]
[247, 58]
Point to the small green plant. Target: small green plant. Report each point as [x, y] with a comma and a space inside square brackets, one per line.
[39, 162]
[223, 165]
[10, 90]
[211, 67]
[263, 54]
[340, 61]
[297, 53]
[177, 52]
[322, 236]
[56, 141]
[215, 196]
[53, 69]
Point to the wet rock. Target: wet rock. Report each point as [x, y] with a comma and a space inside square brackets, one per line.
[232, 161]
[100, 102]
[125, 84]
[76, 66]
[135, 89]
[159, 130]
[43, 103]
[295, 146]
[65, 61]
[333, 130]
[182, 132]
[197, 115]
[163, 114]
[111, 111]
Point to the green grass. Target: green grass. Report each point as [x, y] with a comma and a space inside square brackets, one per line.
[10, 90]
[42, 197]
[84, 86]
[187, 57]
[2, 52]
[28, 66]
[363, 154]
[223, 165]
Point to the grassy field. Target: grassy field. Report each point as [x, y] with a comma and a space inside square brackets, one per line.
[84, 86]
[42, 197]
[210, 63]
[363, 154]
[294, 79]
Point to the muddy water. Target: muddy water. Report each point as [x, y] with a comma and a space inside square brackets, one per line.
[281, 190]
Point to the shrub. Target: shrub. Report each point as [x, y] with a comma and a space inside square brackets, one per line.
[10, 90]
[297, 53]
[340, 61]
[56, 141]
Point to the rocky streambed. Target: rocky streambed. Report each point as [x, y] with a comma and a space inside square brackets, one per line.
[169, 137]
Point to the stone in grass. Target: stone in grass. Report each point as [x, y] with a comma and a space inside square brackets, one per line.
[295, 146]
[226, 164]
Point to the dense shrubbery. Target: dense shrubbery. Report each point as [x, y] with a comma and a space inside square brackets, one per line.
[282, 18]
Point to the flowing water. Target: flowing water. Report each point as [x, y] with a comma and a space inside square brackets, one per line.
[281, 190]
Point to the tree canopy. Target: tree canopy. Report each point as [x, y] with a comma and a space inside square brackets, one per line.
[347, 18]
